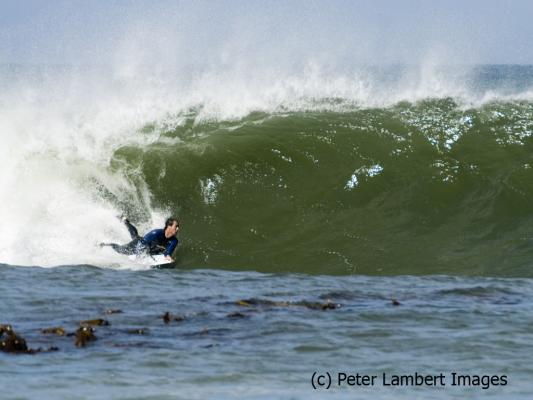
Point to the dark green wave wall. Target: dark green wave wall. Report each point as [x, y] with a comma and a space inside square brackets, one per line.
[425, 188]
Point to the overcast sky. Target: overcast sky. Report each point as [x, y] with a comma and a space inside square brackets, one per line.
[343, 32]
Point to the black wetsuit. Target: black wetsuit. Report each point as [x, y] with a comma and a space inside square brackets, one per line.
[154, 242]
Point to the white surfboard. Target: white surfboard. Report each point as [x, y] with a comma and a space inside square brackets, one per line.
[151, 261]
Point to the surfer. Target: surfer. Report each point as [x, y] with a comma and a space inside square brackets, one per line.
[157, 241]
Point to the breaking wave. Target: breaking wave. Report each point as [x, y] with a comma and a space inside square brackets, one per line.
[383, 171]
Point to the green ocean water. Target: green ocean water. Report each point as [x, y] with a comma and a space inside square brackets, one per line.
[426, 187]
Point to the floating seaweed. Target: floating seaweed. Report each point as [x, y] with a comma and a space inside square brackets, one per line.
[167, 317]
[84, 335]
[95, 322]
[327, 305]
[57, 330]
[14, 343]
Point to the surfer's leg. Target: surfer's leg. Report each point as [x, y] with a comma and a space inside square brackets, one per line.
[117, 247]
[127, 249]
[139, 248]
[131, 229]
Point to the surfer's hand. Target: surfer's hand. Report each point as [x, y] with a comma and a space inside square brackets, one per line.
[168, 258]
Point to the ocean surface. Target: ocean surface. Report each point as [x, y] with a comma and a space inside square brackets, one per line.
[375, 221]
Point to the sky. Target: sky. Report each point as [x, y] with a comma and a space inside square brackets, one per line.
[284, 32]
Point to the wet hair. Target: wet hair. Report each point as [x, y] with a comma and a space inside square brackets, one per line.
[170, 221]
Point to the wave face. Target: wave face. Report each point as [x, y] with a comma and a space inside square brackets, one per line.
[310, 183]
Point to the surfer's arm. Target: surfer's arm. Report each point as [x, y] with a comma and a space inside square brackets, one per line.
[173, 243]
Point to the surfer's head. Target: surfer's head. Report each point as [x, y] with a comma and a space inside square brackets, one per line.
[172, 226]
